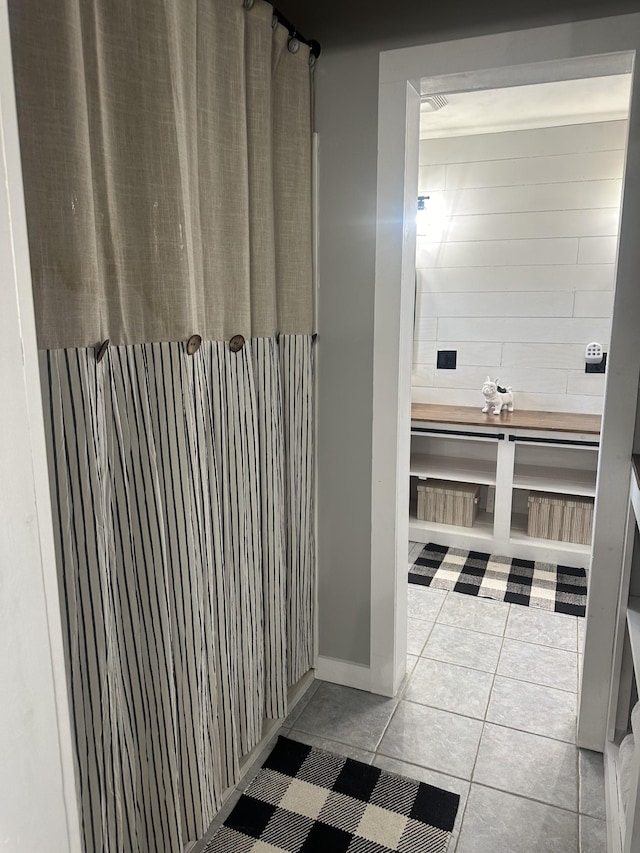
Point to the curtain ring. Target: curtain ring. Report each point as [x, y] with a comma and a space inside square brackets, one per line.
[312, 60]
[236, 343]
[193, 344]
[101, 350]
[274, 23]
[248, 4]
[294, 45]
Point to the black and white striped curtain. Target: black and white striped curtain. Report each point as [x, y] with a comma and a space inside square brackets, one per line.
[183, 500]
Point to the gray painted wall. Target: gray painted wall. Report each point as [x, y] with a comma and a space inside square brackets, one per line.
[346, 120]
[346, 117]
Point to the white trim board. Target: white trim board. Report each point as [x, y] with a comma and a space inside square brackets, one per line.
[402, 72]
[343, 672]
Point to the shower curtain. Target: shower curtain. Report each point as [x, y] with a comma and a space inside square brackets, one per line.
[167, 166]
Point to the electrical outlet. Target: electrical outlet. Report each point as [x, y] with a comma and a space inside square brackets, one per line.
[600, 367]
[447, 359]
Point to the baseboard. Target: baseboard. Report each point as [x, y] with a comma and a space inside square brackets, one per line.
[343, 672]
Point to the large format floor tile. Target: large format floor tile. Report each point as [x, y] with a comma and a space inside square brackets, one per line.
[474, 614]
[496, 822]
[528, 765]
[533, 708]
[424, 603]
[417, 635]
[539, 664]
[433, 738]
[490, 697]
[449, 687]
[343, 714]
[467, 648]
[544, 628]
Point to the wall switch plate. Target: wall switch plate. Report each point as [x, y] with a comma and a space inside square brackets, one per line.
[600, 367]
[447, 359]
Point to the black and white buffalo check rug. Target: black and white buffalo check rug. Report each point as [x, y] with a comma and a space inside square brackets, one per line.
[544, 585]
[305, 800]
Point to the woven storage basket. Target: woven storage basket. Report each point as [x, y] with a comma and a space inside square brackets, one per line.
[564, 518]
[448, 502]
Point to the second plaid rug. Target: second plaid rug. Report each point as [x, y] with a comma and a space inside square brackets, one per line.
[550, 587]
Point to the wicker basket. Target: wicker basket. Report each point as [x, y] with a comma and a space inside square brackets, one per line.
[564, 518]
[448, 502]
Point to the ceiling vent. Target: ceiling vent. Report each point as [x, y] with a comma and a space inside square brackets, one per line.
[433, 103]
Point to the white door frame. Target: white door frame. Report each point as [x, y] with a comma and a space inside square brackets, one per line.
[38, 803]
[400, 73]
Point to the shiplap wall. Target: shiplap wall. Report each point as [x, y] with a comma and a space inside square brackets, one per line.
[516, 268]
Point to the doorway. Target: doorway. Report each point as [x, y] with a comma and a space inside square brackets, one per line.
[489, 62]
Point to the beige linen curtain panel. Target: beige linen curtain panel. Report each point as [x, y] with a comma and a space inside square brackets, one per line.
[167, 164]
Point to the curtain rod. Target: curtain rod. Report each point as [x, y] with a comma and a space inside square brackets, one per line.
[314, 46]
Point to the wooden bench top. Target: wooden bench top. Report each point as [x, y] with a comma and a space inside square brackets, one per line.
[520, 419]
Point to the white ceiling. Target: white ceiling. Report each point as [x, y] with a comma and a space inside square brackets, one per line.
[525, 107]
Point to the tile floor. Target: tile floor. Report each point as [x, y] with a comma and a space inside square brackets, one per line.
[488, 710]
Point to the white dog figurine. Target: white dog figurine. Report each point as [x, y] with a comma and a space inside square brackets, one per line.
[496, 398]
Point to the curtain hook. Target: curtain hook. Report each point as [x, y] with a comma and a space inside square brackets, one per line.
[101, 350]
[274, 23]
[248, 4]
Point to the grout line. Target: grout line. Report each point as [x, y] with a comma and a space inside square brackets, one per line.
[460, 665]
[518, 639]
[486, 710]
[384, 731]
[495, 675]
[530, 799]
[484, 633]
[295, 731]
[329, 740]
[399, 699]
[537, 683]
[463, 815]
[579, 784]
[527, 732]
[541, 645]
[447, 711]
[422, 766]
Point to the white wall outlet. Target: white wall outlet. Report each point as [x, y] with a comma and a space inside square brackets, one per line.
[593, 353]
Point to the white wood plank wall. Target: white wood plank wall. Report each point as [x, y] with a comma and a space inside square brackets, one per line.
[515, 265]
